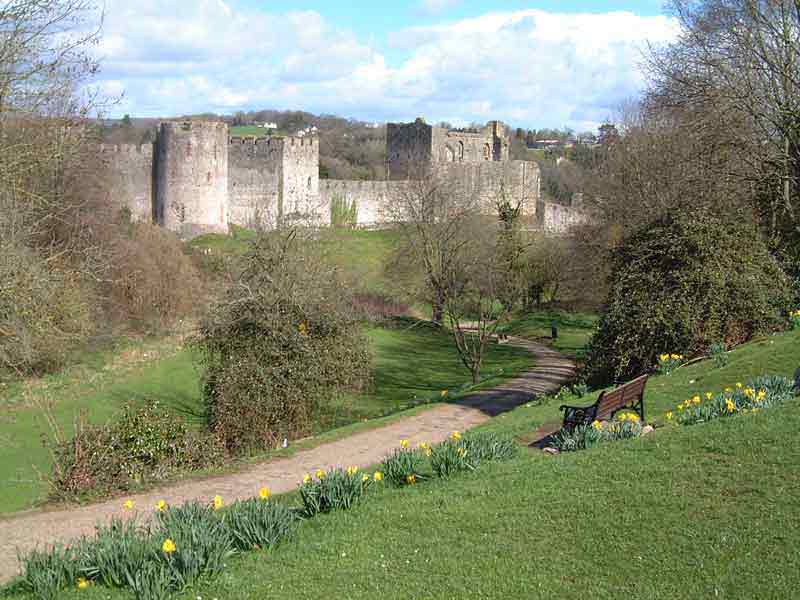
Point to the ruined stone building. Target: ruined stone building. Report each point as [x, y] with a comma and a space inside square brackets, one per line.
[196, 178]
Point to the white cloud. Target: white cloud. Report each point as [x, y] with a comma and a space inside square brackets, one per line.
[531, 68]
[434, 7]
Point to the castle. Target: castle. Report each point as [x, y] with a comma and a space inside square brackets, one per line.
[195, 178]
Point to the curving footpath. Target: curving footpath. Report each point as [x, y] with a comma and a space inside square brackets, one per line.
[26, 531]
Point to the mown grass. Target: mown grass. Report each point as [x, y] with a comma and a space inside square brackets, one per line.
[707, 511]
[360, 254]
[252, 130]
[411, 364]
[574, 330]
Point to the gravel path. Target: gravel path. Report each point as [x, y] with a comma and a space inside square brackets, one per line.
[25, 531]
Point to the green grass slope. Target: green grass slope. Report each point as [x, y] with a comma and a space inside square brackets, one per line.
[708, 511]
[574, 330]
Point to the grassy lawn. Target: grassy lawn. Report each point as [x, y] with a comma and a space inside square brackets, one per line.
[252, 130]
[412, 364]
[687, 512]
[361, 254]
[574, 330]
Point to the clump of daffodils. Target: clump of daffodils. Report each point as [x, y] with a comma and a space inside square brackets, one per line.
[762, 393]
[667, 363]
[794, 318]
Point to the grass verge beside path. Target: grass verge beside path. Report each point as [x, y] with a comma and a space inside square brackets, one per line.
[687, 512]
[574, 330]
[411, 364]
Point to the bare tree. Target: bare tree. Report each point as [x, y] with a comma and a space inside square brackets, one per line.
[466, 259]
[735, 71]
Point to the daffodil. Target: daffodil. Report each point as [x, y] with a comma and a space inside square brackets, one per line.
[306, 478]
[709, 395]
[352, 471]
[161, 506]
[761, 395]
[729, 405]
[218, 502]
[456, 435]
[597, 425]
[411, 479]
[364, 478]
[127, 505]
[404, 444]
[377, 476]
[320, 474]
[669, 416]
[264, 493]
[696, 400]
[664, 357]
[82, 583]
[168, 546]
[675, 356]
[739, 384]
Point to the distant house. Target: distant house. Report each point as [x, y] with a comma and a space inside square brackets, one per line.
[543, 144]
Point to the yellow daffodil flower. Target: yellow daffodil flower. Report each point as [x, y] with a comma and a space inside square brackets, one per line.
[82, 583]
[217, 502]
[168, 546]
[404, 444]
[729, 405]
[264, 493]
[669, 416]
[364, 478]
[320, 474]
[161, 506]
[306, 478]
[456, 435]
[377, 476]
[597, 425]
[411, 479]
[352, 471]
[127, 505]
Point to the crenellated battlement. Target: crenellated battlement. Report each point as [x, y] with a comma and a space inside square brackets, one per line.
[197, 177]
[143, 149]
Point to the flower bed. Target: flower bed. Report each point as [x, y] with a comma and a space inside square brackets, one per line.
[157, 557]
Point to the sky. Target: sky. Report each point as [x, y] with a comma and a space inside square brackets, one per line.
[532, 64]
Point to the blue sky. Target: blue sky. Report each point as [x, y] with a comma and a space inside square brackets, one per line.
[529, 63]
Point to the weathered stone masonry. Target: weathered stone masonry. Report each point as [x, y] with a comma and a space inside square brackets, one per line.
[197, 179]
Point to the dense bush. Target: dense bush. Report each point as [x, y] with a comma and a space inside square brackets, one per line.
[153, 283]
[282, 342]
[146, 444]
[685, 282]
[44, 311]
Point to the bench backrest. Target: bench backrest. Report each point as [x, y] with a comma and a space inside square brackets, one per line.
[626, 395]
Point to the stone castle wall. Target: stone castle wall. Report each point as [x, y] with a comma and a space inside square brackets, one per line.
[372, 198]
[489, 183]
[197, 179]
[129, 169]
[254, 172]
[558, 218]
[300, 198]
[191, 175]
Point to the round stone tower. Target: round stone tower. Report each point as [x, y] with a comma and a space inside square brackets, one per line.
[191, 177]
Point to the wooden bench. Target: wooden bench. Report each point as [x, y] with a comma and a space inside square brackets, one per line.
[629, 396]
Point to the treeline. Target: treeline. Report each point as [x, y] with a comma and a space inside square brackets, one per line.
[73, 269]
[696, 235]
